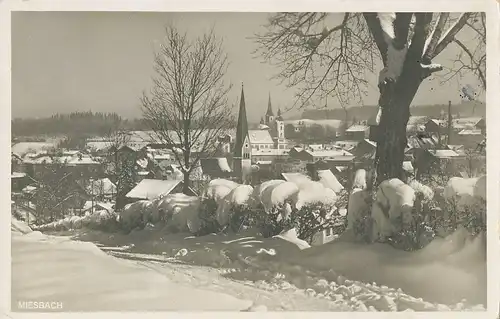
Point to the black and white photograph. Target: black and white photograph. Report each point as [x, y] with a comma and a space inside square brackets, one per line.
[250, 161]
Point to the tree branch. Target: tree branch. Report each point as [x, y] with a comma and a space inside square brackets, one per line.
[449, 35]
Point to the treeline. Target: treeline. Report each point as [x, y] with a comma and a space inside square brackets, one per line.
[364, 113]
[86, 124]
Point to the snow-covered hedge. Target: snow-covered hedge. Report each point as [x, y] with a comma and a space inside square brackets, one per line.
[102, 220]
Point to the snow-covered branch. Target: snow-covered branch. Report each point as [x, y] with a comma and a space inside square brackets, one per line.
[436, 34]
[449, 35]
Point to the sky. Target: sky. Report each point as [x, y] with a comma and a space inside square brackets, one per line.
[103, 61]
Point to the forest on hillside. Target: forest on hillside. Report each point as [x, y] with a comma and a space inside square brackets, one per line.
[84, 124]
[364, 113]
[81, 125]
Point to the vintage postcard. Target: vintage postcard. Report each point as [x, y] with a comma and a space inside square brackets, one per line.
[219, 157]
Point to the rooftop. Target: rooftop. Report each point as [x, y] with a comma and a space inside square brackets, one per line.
[152, 188]
[357, 128]
[260, 137]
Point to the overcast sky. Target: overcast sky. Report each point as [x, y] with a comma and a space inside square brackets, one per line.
[102, 61]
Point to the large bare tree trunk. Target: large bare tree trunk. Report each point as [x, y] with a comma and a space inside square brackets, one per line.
[392, 141]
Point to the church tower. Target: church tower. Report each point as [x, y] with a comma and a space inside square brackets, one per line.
[242, 149]
[280, 126]
[269, 113]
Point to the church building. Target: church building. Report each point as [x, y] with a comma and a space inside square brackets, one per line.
[275, 125]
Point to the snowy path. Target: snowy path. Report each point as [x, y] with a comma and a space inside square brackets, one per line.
[83, 278]
[261, 293]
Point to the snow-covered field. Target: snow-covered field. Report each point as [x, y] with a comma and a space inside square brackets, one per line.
[78, 276]
[447, 275]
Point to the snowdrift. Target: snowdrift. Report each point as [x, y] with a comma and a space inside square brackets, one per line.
[83, 278]
[465, 192]
[446, 271]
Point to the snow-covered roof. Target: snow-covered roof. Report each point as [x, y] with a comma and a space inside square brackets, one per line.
[29, 189]
[143, 162]
[357, 128]
[465, 122]
[309, 122]
[98, 145]
[437, 122]
[152, 188]
[346, 145]
[23, 148]
[85, 160]
[422, 142]
[17, 175]
[417, 120]
[101, 187]
[370, 142]
[444, 153]
[39, 160]
[264, 162]
[263, 127]
[260, 137]
[315, 147]
[103, 205]
[269, 152]
[407, 166]
[470, 132]
[328, 153]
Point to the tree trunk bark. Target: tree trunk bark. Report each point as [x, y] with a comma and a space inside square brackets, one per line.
[395, 100]
[185, 185]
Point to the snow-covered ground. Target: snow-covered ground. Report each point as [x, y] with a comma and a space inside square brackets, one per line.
[447, 275]
[78, 276]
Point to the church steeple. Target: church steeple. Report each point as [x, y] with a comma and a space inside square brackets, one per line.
[269, 107]
[242, 128]
[269, 113]
[279, 118]
[242, 163]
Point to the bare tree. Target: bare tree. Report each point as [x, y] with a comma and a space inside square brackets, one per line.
[187, 107]
[119, 166]
[472, 57]
[321, 60]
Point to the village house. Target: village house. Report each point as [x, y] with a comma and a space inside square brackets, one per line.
[16, 163]
[357, 132]
[268, 156]
[216, 168]
[18, 181]
[101, 189]
[416, 124]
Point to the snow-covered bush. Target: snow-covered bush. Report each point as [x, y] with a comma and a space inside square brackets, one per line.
[316, 217]
[308, 220]
[132, 215]
[208, 217]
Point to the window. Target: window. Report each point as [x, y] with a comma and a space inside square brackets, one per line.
[246, 145]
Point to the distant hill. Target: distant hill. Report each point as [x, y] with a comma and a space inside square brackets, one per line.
[363, 113]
